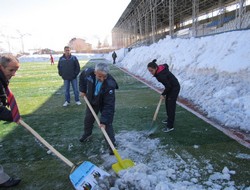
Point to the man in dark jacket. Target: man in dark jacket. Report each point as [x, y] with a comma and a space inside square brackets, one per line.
[8, 67]
[99, 87]
[170, 93]
[68, 69]
[114, 56]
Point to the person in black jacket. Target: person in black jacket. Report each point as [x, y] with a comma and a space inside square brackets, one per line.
[99, 87]
[8, 67]
[170, 93]
[114, 56]
[68, 69]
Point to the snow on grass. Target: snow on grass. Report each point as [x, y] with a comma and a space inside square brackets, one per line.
[161, 168]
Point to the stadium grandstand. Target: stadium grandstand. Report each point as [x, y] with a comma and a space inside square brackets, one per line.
[144, 22]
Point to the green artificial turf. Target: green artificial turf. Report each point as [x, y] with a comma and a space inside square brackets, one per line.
[39, 93]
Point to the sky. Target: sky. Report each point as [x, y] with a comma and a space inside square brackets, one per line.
[214, 73]
[52, 23]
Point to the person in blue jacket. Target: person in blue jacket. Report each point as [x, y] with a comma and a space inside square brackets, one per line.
[170, 93]
[99, 88]
[68, 69]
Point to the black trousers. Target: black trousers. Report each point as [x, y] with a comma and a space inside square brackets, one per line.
[170, 103]
[89, 123]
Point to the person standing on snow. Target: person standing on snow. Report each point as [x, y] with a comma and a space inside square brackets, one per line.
[68, 69]
[114, 56]
[170, 93]
[8, 67]
[99, 88]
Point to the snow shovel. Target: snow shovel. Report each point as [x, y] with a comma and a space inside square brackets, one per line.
[82, 176]
[122, 164]
[152, 127]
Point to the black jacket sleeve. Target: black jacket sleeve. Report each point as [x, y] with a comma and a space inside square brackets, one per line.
[108, 102]
[108, 108]
[88, 72]
[82, 82]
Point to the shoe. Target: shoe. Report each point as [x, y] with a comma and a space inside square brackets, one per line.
[10, 183]
[165, 121]
[65, 104]
[85, 138]
[78, 103]
[166, 129]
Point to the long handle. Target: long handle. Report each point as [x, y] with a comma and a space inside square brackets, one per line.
[58, 154]
[157, 110]
[98, 123]
[117, 155]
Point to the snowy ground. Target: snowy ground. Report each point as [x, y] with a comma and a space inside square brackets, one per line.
[214, 72]
[155, 169]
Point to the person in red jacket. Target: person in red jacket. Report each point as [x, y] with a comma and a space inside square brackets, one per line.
[8, 67]
[51, 59]
[170, 93]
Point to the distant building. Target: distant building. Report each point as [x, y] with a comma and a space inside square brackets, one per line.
[80, 45]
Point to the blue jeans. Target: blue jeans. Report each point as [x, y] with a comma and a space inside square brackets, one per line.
[67, 89]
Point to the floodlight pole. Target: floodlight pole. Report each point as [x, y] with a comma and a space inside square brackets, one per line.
[240, 12]
[21, 35]
[195, 13]
[171, 18]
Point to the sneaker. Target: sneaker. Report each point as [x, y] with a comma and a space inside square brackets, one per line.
[85, 138]
[10, 183]
[65, 104]
[78, 103]
[165, 121]
[166, 129]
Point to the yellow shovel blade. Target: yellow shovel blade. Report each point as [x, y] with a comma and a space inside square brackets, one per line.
[124, 164]
[121, 164]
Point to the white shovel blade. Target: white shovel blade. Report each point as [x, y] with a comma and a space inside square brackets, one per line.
[84, 176]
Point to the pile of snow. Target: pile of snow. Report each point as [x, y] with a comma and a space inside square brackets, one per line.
[159, 167]
[214, 72]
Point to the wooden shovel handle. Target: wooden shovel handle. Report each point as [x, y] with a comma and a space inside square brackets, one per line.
[45, 143]
[157, 109]
[98, 123]
[117, 155]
